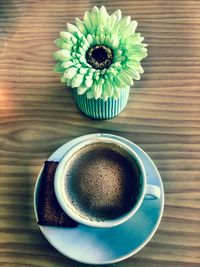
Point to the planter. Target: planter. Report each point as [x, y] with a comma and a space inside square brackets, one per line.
[100, 109]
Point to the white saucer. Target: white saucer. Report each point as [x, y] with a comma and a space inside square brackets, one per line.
[103, 246]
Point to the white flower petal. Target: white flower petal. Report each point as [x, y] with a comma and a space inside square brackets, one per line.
[90, 39]
[67, 64]
[118, 14]
[134, 73]
[114, 41]
[95, 10]
[112, 21]
[90, 94]
[83, 70]
[116, 92]
[123, 23]
[137, 55]
[103, 16]
[108, 87]
[126, 78]
[62, 55]
[81, 90]
[80, 25]
[134, 24]
[63, 80]
[129, 29]
[102, 38]
[94, 18]
[97, 90]
[87, 21]
[67, 36]
[135, 65]
[58, 68]
[88, 82]
[70, 73]
[59, 42]
[74, 30]
[77, 80]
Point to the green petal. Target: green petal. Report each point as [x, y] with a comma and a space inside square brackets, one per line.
[116, 92]
[119, 82]
[133, 38]
[81, 90]
[80, 25]
[94, 18]
[69, 82]
[95, 10]
[112, 21]
[133, 73]
[141, 39]
[85, 47]
[130, 29]
[81, 51]
[67, 36]
[77, 80]
[134, 24]
[67, 64]
[118, 14]
[126, 78]
[83, 70]
[59, 42]
[104, 96]
[70, 73]
[90, 94]
[112, 70]
[114, 41]
[63, 80]
[88, 82]
[74, 30]
[102, 38]
[58, 68]
[97, 38]
[135, 65]
[138, 55]
[97, 90]
[108, 87]
[62, 55]
[103, 16]
[107, 40]
[138, 47]
[88, 22]
[90, 39]
[123, 23]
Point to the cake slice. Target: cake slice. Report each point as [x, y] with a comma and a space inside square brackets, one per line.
[49, 211]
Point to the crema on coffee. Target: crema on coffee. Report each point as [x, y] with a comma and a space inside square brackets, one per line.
[102, 181]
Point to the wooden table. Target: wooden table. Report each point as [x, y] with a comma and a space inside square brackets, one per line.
[38, 115]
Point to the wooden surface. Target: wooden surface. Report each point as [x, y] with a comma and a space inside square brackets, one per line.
[38, 114]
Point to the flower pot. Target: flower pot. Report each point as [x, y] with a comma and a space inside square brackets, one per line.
[100, 109]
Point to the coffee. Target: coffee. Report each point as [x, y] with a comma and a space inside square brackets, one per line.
[102, 181]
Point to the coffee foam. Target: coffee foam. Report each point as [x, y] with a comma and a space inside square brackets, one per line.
[102, 181]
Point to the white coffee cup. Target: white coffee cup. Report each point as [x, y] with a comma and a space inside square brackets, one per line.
[147, 192]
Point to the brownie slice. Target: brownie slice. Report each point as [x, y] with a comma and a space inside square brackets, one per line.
[49, 211]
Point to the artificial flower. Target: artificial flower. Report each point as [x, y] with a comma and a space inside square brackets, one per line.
[100, 55]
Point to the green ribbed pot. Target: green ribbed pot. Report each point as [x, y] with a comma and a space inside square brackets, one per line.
[100, 109]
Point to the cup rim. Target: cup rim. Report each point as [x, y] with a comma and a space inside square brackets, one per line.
[60, 176]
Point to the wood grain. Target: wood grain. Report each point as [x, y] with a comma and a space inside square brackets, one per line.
[38, 114]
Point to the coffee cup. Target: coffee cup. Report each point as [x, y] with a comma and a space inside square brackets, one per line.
[101, 182]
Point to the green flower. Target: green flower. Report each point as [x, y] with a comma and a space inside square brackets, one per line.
[101, 55]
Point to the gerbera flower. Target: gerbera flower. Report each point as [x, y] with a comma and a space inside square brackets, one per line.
[100, 55]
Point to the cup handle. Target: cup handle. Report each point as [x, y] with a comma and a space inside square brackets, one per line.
[152, 192]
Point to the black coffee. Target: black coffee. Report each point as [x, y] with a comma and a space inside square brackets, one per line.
[102, 181]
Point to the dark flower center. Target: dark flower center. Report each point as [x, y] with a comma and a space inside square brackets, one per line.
[99, 56]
